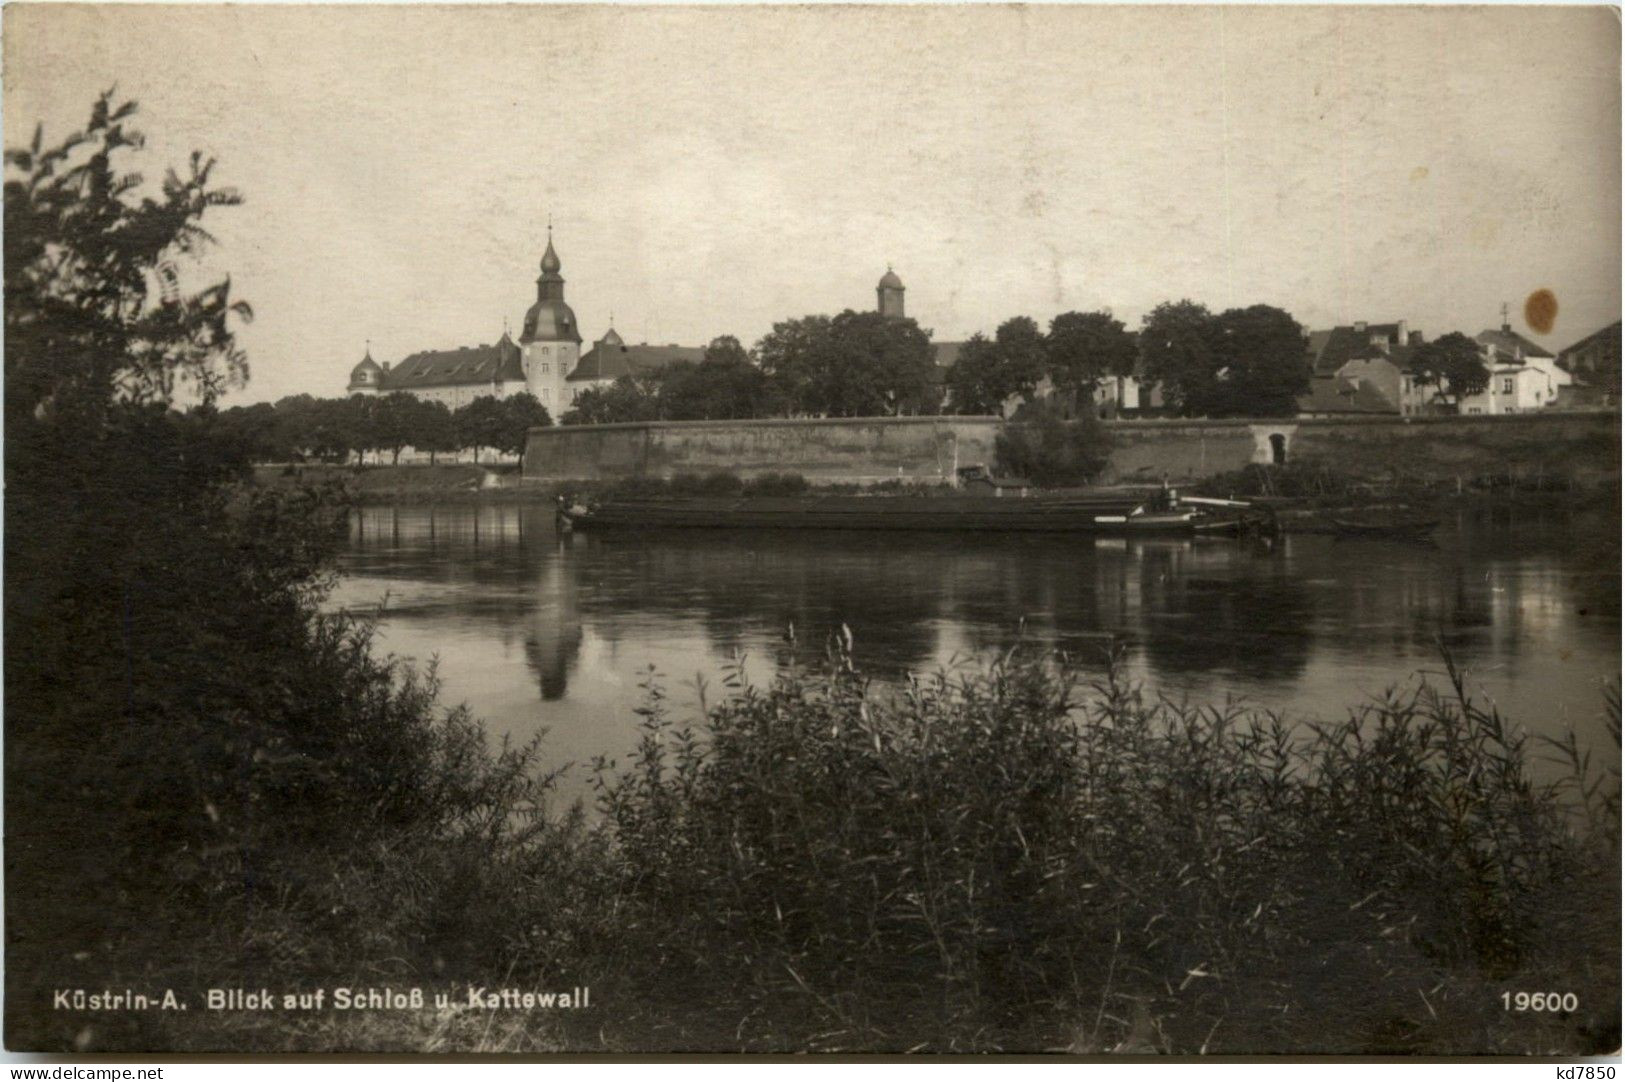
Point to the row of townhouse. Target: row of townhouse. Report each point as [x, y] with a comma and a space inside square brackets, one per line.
[1367, 368]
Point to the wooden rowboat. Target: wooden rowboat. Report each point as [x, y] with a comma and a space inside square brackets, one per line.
[1407, 528]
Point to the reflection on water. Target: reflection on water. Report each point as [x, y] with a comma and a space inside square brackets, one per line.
[541, 631]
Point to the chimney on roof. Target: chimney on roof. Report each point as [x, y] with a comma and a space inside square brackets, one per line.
[1359, 327]
[1506, 318]
[1403, 335]
[386, 366]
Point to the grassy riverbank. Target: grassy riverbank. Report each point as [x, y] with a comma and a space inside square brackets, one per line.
[1022, 855]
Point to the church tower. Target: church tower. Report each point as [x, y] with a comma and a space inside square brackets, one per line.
[550, 343]
[890, 292]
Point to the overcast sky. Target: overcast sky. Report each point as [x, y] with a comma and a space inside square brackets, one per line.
[710, 171]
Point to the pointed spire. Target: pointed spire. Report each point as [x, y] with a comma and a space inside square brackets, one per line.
[550, 258]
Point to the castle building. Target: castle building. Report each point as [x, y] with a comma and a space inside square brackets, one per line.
[546, 362]
[453, 376]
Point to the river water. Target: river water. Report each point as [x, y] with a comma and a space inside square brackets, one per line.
[541, 631]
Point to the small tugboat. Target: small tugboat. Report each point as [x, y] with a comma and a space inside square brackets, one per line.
[1107, 510]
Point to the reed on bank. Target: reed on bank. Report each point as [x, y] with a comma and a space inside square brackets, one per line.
[1033, 856]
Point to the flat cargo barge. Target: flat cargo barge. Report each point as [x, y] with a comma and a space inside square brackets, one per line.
[1105, 511]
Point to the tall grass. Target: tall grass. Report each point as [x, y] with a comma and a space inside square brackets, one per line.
[1023, 856]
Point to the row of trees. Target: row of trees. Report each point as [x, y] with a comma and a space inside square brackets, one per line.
[1243, 361]
[725, 385]
[303, 427]
[856, 364]
[1239, 362]
[862, 364]
[1080, 349]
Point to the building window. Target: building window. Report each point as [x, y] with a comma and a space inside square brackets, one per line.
[1475, 409]
[544, 369]
[544, 351]
[547, 393]
[1506, 385]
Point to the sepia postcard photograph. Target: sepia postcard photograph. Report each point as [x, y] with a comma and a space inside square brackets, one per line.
[832, 530]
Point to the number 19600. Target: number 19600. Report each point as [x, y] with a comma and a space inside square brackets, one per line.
[1540, 1001]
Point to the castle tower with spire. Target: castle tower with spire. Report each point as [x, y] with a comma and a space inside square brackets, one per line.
[550, 342]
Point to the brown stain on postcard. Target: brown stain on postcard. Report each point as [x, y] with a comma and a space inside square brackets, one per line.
[1540, 311]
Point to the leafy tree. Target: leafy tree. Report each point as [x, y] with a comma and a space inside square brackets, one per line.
[1023, 355]
[856, 364]
[299, 417]
[1083, 348]
[338, 428]
[1262, 367]
[1454, 364]
[198, 757]
[127, 551]
[434, 429]
[796, 355]
[88, 316]
[726, 384]
[725, 349]
[519, 414]
[986, 374]
[479, 424]
[721, 388]
[624, 400]
[363, 422]
[1041, 444]
[884, 366]
[1179, 348]
[394, 421]
[973, 380]
[262, 432]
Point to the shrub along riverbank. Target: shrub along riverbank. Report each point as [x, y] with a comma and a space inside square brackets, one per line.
[1021, 855]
